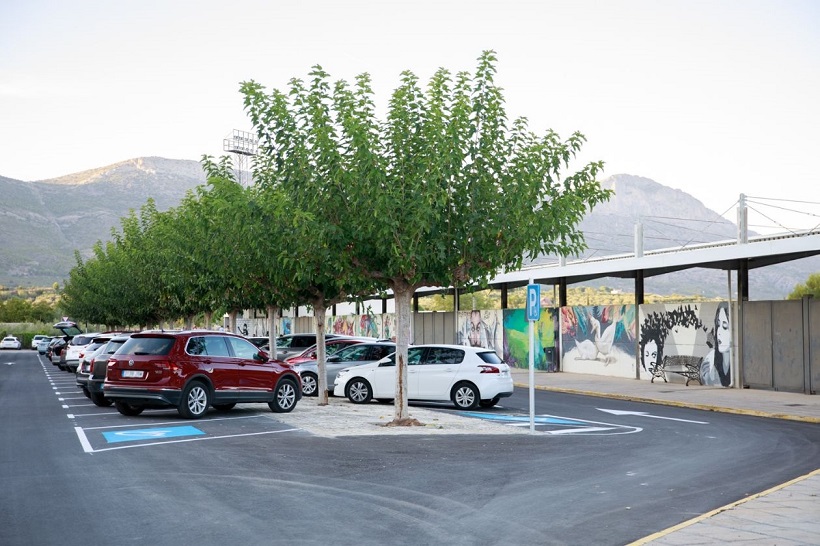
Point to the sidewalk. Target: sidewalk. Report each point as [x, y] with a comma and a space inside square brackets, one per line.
[786, 515]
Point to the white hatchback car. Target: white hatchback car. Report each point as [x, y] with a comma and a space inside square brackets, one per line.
[75, 348]
[469, 377]
[11, 342]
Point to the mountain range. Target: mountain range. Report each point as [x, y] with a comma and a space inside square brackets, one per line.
[43, 222]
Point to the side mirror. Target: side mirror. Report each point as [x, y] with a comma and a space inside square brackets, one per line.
[261, 356]
[332, 358]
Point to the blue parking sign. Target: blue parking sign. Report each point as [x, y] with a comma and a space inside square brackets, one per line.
[534, 302]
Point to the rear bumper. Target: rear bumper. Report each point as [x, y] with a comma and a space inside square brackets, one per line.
[143, 397]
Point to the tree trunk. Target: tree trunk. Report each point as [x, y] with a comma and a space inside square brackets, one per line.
[272, 312]
[319, 311]
[208, 318]
[403, 295]
[232, 321]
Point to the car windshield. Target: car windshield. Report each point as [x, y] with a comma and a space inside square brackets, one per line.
[147, 346]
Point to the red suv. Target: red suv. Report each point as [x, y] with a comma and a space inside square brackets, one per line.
[192, 370]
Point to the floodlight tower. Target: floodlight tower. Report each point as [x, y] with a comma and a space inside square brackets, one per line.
[243, 144]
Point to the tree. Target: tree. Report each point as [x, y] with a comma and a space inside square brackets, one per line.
[441, 193]
[810, 288]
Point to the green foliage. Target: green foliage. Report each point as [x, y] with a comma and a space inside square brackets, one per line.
[443, 192]
[810, 288]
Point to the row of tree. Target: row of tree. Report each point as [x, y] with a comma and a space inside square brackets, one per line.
[444, 191]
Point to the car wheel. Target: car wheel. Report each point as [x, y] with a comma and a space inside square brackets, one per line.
[465, 396]
[128, 409]
[86, 393]
[358, 391]
[225, 407]
[310, 384]
[100, 400]
[195, 400]
[284, 397]
[489, 403]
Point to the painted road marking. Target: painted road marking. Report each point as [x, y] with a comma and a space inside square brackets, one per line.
[646, 414]
[150, 434]
[556, 425]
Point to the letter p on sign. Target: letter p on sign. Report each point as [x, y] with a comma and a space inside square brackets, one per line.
[534, 302]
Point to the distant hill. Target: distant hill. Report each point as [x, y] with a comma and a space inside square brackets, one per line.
[43, 222]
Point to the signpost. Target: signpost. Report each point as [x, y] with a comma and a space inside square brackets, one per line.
[533, 316]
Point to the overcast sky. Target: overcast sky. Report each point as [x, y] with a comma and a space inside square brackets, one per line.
[716, 98]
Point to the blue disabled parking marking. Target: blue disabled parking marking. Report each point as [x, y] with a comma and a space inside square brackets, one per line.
[150, 434]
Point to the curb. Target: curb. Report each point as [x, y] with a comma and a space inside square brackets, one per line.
[716, 511]
[633, 398]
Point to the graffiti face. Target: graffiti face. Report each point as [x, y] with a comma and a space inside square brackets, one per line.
[722, 332]
[475, 329]
[650, 354]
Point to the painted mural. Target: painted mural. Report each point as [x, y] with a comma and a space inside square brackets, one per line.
[481, 329]
[598, 340]
[693, 339]
[367, 325]
[517, 340]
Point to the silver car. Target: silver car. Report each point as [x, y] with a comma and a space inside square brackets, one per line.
[354, 355]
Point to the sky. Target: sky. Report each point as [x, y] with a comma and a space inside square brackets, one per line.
[715, 98]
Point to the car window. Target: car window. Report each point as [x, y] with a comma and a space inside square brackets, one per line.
[353, 353]
[113, 345]
[444, 355]
[284, 342]
[147, 346]
[242, 348]
[207, 345]
[413, 357]
[81, 340]
[377, 352]
[490, 357]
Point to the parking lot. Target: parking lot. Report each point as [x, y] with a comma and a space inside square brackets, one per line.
[248, 474]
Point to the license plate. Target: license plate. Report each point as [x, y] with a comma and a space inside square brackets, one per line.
[132, 373]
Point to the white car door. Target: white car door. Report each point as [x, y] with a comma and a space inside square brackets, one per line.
[384, 376]
[437, 373]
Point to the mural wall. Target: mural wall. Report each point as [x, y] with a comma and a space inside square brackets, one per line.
[481, 329]
[516, 348]
[694, 336]
[598, 340]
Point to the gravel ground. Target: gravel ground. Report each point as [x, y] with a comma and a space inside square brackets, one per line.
[343, 418]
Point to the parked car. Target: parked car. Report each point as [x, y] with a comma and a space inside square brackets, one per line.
[57, 350]
[353, 355]
[331, 347]
[192, 370]
[74, 349]
[292, 344]
[87, 357]
[469, 377]
[11, 342]
[258, 341]
[43, 344]
[54, 349]
[36, 340]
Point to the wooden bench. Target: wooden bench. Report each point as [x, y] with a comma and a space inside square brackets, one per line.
[687, 366]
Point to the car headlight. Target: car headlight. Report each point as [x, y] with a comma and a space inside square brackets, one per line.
[343, 372]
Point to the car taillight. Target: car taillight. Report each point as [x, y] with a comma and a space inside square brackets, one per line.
[171, 366]
[486, 368]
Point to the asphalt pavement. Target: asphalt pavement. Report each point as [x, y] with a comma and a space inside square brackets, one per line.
[785, 515]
